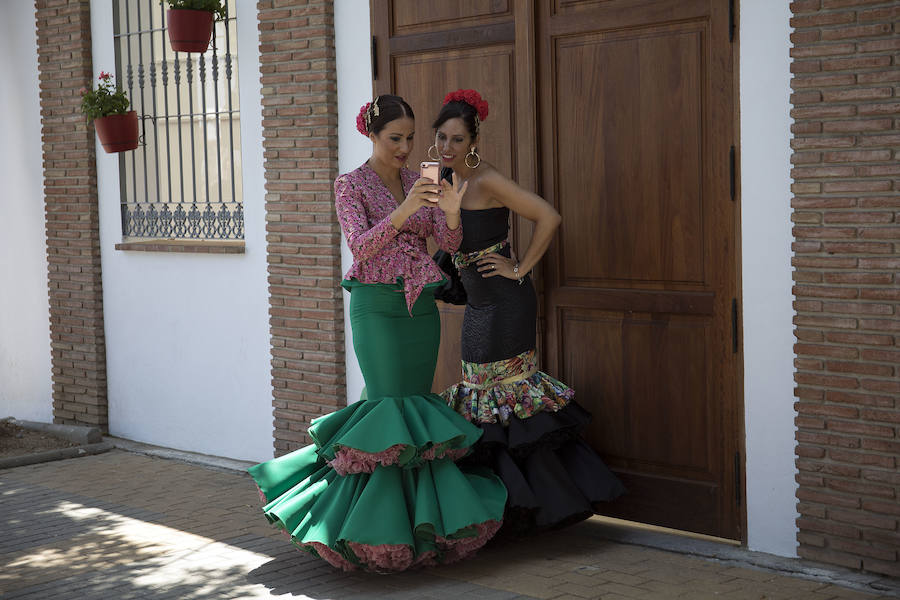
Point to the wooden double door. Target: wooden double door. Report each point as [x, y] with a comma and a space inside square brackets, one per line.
[621, 114]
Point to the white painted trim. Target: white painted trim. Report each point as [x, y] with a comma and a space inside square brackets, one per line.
[354, 79]
[766, 272]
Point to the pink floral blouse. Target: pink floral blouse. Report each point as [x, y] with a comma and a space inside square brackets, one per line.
[381, 254]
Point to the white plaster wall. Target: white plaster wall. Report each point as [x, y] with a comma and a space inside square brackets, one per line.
[187, 334]
[354, 80]
[766, 245]
[25, 377]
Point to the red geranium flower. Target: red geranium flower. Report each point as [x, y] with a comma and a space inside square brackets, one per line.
[472, 98]
[106, 100]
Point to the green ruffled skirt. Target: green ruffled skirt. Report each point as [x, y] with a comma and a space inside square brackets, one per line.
[379, 488]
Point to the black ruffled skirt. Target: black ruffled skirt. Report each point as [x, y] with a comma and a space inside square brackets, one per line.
[531, 422]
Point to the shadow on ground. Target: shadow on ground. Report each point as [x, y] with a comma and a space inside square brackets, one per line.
[81, 547]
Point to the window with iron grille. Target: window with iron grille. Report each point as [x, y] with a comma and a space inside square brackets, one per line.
[184, 180]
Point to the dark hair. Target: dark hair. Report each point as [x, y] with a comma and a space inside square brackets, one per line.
[458, 110]
[390, 108]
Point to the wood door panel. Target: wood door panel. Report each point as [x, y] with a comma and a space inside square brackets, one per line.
[635, 300]
[691, 505]
[636, 116]
[423, 79]
[673, 349]
[415, 16]
[449, 368]
[592, 364]
[607, 359]
[620, 138]
[571, 15]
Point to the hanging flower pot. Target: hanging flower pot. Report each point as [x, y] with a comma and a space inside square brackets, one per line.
[107, 107]
[189, 30]
[118, 133]
[190, 23]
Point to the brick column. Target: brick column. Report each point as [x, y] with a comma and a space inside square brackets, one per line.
[72, 215]
[299, 90]
[846, 108]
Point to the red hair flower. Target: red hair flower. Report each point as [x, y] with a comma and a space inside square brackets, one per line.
[472, 98]
[361, 119]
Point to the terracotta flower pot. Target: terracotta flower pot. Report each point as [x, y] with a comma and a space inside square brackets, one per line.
[189, 30]
[118, 133]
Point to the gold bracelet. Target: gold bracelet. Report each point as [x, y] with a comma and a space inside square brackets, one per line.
[521, 280]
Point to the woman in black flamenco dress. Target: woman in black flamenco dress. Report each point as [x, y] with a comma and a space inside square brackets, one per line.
[531, 422]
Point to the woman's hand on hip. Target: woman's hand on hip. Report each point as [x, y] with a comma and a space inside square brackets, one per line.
[493, 265]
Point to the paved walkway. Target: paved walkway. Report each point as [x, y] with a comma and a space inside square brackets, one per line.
[123, 525]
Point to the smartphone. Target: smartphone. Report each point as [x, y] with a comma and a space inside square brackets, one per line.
[431, 170]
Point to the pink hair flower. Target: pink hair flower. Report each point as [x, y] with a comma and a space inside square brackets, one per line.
[361, 119]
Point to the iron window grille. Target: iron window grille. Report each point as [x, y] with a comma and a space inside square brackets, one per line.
[184, 179]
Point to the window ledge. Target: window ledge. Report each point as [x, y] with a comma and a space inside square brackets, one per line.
[185, 246]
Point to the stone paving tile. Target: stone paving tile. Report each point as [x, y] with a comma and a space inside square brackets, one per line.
[748, 574]
[121, 525]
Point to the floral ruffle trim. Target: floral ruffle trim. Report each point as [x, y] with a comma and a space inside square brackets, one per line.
[348, 461]
[262, 496]
[460, 548]
[387, 558]
[495, 391]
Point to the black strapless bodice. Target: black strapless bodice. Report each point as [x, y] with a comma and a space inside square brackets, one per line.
[500, 314]
[483, 228]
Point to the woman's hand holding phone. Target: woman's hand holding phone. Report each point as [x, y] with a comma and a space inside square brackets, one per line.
[432, 171]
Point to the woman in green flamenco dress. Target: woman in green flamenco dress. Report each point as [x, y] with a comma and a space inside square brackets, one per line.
[379, 489]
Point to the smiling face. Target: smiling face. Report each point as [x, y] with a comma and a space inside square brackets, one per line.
[394, 143]
[453, 142]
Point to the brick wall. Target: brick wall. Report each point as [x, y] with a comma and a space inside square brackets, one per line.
[846, 107]
[72, 220]
[300, 139]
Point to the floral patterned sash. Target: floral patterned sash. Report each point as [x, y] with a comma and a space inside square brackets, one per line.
[465, 259]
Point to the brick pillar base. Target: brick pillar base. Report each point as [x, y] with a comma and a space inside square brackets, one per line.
[72, 215]
[304, 253]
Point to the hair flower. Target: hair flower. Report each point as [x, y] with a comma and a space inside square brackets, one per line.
[472, 98]
[361, 119]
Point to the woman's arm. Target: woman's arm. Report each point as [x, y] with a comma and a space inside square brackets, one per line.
[446, 220]
[364, 241]
[532, 207]
[447, 239]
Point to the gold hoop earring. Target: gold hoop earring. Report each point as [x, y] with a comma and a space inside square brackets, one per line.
[475, 154]
[428, 152]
